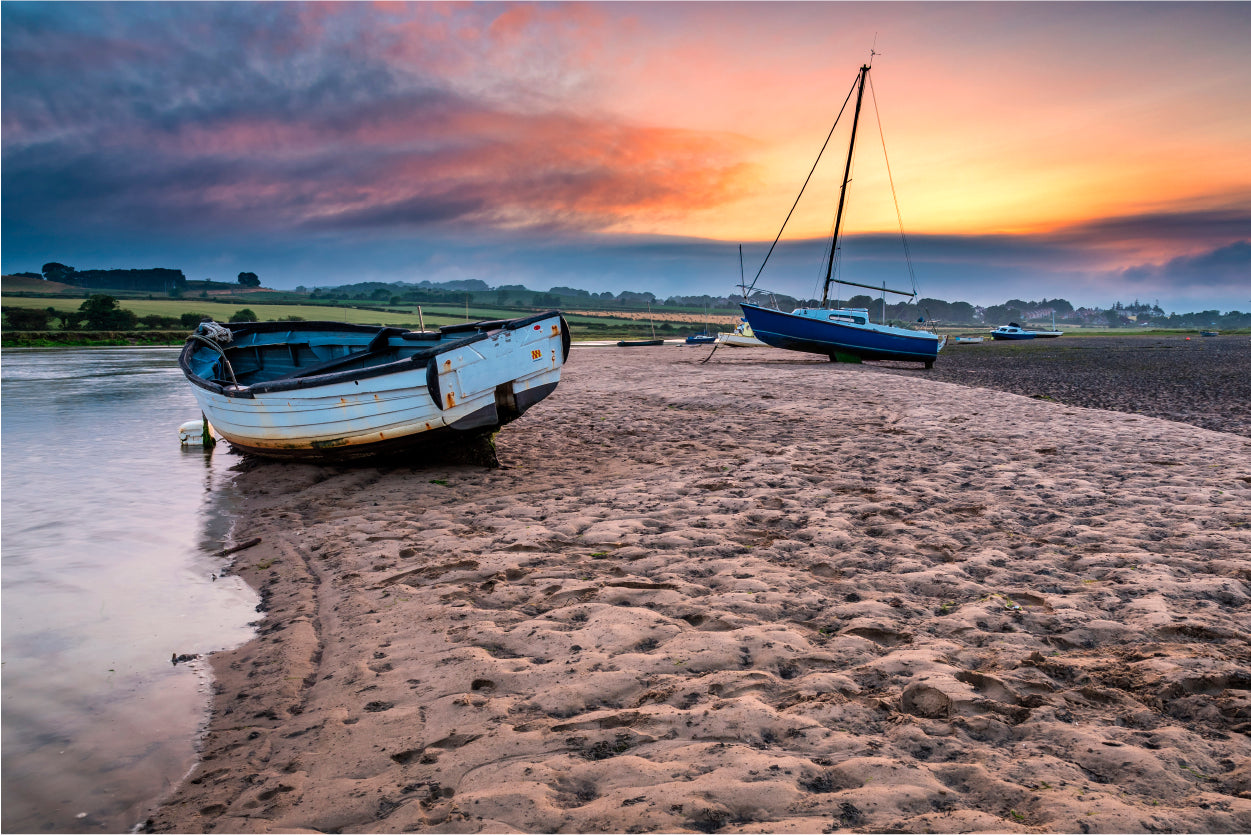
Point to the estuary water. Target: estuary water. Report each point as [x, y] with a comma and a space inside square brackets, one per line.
[107, 541]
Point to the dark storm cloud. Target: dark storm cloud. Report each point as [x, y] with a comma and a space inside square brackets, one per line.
[1229, 266]
[162, 119]
[1215, 224]
[415, 211]
[85, 66]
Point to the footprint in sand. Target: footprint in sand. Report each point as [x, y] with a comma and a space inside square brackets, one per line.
[879, 636]
[571, 793]
[825, 571]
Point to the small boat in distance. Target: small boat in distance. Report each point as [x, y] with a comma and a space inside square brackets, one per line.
[642, 343]
[1209, 333]
[968, 340]
[843, 334]
[1011, 331]
[703, 338]
[333, 391]
[741, 338]
[1014, 331]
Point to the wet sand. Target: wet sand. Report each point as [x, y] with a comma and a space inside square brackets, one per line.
[1201, 381]
[765, 594]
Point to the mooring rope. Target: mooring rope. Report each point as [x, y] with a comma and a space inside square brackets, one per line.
[213, 344]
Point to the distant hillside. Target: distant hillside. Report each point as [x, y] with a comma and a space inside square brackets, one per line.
[26, 284]
[705, 307]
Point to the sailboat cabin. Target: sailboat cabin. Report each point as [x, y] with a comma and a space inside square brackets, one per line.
[852, 316]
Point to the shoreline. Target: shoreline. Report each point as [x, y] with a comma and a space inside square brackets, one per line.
[753, 595]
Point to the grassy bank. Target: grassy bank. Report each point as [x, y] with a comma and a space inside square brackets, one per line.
[89, 339]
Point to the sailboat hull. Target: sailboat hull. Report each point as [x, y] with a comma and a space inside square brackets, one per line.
[793, 332]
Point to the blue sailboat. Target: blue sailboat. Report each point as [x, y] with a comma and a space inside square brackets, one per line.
[846, 335]
[843, 334]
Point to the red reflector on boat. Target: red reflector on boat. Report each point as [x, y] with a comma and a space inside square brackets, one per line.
[538, 328]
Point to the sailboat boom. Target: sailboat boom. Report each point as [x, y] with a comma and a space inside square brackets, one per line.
[873, 287]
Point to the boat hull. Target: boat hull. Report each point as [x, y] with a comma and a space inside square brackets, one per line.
[464, 382]
[738, 340]
[872, 342]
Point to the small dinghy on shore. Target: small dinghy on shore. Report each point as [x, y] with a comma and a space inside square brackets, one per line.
[334, 391]
[741, 338]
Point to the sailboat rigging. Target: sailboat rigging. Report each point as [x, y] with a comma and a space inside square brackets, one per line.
[843, 334]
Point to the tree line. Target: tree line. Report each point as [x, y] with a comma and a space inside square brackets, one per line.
[153, 280]
[480, 294]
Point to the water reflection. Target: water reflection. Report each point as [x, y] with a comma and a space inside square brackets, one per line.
[108, 533]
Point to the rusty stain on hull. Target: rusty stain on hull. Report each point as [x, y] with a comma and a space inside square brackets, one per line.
[451, 400]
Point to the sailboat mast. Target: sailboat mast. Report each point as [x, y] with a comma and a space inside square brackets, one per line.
[842, 195]
[742, 277]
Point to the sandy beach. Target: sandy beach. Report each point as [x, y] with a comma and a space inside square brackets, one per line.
[764, 594]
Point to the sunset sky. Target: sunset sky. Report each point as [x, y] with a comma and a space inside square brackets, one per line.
[1095, 152]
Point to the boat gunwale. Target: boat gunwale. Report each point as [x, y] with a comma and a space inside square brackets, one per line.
[413, 362]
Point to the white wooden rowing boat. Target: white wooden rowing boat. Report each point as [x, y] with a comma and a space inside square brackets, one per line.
[328, 390]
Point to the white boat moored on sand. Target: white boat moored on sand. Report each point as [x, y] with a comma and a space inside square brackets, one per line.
[741, 338]
[332, 391]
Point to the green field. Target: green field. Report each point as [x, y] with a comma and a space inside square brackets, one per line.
[583, 327]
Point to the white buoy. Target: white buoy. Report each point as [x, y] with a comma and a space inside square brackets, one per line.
[191, 433]
[197, 433]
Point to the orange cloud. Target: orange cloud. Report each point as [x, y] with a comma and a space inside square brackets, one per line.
[553, 172]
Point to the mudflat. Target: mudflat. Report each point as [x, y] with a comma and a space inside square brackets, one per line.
[764, 594]
[1203, 381]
